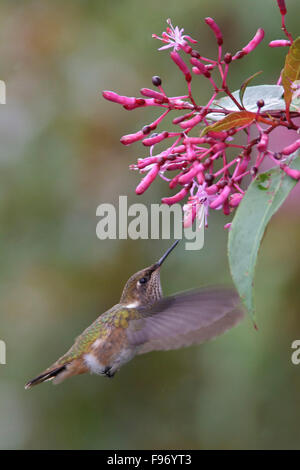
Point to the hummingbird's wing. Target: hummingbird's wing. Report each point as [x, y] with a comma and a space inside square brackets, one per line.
[184, 319]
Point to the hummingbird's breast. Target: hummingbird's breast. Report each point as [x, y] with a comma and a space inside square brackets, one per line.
[112, 350]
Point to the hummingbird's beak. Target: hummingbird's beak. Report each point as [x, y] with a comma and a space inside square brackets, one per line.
[162, 259]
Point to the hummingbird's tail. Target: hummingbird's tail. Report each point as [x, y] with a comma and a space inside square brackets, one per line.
[48, 375]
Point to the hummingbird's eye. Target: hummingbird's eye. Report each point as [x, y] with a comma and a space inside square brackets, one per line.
[143, 280]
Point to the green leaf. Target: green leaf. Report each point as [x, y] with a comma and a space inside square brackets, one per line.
[237, 119]
[271, 94]
[245, 84]
[291, 71]
[263, 198]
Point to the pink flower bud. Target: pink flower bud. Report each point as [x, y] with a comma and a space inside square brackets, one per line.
[176, 166]
[193, 41]
[130, 138]
[176, 198]
[200, 177]
[201, 67]
[187, 177]
[280, 43]
[213, 189]
[181, 64]
[227, 226]
[190, 213]
[291, 148]
[220, 145]
[235, 199]
[263, 143]
[174, 182]
[219, 201]
[154, 94]
[196, 71]
[178, 149]
[227, 58]
[147, 161]
[243, 166]
[282, 7]
[295, 174]
[195, 140]
[179, 119]
[124, 100]
[192, 122]
[155, 139]
[213, 25]
[186, 48]
[147, 180]
[239, 55]
[255, 41]
[138, 103]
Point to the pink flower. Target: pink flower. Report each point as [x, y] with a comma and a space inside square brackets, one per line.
[280, 43]
[219, 200]
[213, 25]
[176, 198]
[174, 37]
[198, 204]
[181, 64]
[295, 174]
[191, 211]
[147, 180]
[291, 148]
[210, 165]
[235, 199]
[255, 41]
[263, 143]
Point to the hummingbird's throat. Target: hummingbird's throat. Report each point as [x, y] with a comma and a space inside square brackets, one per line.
[133, 304]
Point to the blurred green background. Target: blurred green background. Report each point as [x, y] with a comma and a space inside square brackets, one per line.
[60, 157]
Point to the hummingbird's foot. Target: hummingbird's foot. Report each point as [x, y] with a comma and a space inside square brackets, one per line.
[108, 373]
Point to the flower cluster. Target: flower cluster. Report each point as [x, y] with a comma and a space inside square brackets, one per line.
[205, 174]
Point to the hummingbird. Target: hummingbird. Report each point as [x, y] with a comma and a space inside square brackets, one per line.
[144, 321]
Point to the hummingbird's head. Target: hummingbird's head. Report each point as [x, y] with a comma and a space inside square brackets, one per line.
[143, 288]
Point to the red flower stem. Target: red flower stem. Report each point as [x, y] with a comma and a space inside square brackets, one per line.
[238, 188]
[238, 178]
[183, 97]
[283, 27]
[225, 168]
[226, 90]
[220, 68]
[210, 101]
[220, 55]
[260, 158]
[243, 147]
[225, 73]
[190, 94]
[213, 84]
[177, 141]
[162, 90]
[205, 59]
[160, 118]
[238, 160]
